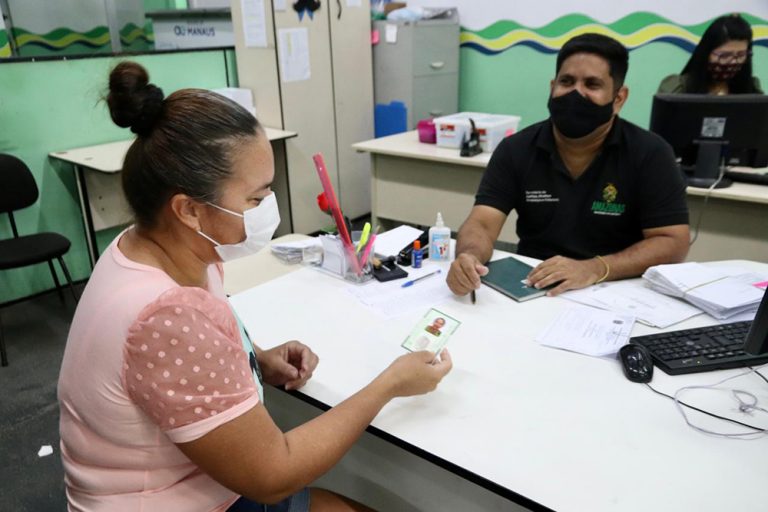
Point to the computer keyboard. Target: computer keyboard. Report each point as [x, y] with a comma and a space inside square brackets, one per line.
[702, 349]
[748, 177]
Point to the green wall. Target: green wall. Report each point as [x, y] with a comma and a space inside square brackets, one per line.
[516, 81]
[162, 5]
[55, 105]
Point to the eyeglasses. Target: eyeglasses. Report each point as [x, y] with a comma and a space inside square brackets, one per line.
[726, 57]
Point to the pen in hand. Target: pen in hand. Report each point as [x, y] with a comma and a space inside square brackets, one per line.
[473, 296]
[410, 283]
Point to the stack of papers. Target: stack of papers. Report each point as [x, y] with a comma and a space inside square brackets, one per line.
[719, 292]
[293, 252]
[635, 298]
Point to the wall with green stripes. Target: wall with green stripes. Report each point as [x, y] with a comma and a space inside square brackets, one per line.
[506, 67]
[55, 105]
[5, 46]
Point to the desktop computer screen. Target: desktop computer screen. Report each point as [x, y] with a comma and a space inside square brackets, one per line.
[707, 130]
[757, 339]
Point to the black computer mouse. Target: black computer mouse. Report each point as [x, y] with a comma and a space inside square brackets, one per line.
[636, 362]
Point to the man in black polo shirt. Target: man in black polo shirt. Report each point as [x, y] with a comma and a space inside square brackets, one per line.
[597, 197]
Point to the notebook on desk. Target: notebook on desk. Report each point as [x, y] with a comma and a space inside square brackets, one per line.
[508, 276]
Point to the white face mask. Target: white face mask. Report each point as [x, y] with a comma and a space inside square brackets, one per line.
[260, 224]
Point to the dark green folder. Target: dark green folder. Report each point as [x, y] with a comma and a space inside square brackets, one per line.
[507, 275]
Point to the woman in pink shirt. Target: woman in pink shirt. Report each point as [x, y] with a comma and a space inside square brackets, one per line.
[160, 387]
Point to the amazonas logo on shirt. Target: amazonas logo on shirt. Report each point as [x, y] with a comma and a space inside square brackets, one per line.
[609, 206]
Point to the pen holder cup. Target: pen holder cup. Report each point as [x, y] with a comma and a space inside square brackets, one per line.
[363, 271]
[353, 265]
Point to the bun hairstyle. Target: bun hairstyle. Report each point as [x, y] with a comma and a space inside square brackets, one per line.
[185, 142]
[133, 102]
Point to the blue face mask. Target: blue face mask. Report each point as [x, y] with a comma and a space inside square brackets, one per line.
[576, 116]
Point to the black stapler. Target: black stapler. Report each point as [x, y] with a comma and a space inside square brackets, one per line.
[471, 146]
[386, 270]
[404, 256]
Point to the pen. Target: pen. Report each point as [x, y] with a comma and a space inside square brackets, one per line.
[367, 250]
[473, 296]
[364, 236]
[410, 283]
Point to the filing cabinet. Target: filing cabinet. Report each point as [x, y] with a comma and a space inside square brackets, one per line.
[330, 106]
[417, 63]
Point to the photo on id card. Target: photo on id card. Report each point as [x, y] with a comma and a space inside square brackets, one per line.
[432, 332]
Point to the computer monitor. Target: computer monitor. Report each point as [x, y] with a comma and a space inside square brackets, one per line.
[757, 339]
[707, 130]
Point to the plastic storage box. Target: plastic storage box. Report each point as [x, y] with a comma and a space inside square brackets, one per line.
[453, 129]
[426, 129]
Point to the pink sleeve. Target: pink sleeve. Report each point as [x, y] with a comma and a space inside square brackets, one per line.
[184, 363]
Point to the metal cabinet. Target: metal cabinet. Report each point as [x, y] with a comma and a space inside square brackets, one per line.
[417, 63]
[330, 108]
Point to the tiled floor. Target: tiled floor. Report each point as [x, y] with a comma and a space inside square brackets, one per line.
[35, 333]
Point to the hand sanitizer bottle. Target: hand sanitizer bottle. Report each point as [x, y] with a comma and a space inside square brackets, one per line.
[440, 241]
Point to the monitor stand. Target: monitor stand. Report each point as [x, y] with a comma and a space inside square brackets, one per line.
[708, 162]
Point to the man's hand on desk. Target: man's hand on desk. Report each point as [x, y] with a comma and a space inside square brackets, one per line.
[290, 364]
[416, 373]
[571, 274]
[464, 274]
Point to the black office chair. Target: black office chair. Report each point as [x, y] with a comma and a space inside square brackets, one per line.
[19, 190]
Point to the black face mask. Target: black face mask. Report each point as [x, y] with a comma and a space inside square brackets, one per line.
[724, 72]
[575, 116]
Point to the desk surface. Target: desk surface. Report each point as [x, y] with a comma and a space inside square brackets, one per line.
[109, 157]
[407, 145]
[747, 192]
[564, 430]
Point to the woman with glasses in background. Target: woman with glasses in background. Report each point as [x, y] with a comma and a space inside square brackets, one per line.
[720, 64]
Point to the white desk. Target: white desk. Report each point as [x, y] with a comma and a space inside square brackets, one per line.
[514, 420]
[411, 181]
[101, 198]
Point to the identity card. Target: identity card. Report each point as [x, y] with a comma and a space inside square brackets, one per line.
[432, 332]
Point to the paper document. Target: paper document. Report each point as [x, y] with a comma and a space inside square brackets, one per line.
[588, 331]
[393, 241]
[254, 23]
[390, 34]
[391, 300]
[635, 299]
[293, 51]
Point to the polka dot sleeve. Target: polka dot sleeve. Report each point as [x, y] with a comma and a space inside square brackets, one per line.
[184, 363]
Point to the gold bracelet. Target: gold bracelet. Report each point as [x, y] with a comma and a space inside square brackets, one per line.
[607, 269]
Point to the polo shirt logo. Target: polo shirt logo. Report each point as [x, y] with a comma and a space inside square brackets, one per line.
[608, 206]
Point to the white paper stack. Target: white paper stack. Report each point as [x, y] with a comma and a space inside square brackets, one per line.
[292, 252]
[721, 293]
[635, 298]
